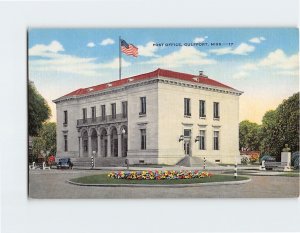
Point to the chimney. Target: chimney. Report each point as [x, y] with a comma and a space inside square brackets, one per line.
[201, 74]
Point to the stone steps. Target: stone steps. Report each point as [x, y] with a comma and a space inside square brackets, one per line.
[190, 161]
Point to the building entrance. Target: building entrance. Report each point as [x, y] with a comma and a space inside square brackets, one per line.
[187, 142]
[187, 147]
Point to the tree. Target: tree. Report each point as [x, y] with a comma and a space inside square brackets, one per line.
[288, 122]
[249, 134]
[38, 110]
[45, 142]
[269, 132]
[281, 126]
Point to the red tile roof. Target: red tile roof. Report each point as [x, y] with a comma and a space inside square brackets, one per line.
[154, 74]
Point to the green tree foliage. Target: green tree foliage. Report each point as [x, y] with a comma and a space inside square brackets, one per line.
[38, 110]
[249, 135]
[269, 132]
[281, 127]
[45, 141]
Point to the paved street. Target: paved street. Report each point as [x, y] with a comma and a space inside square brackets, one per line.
[53, 184]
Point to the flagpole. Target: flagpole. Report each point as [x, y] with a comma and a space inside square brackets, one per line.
[120, 58]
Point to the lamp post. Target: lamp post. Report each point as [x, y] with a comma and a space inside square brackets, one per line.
[93, 159]
[235, 171]
[197, 139]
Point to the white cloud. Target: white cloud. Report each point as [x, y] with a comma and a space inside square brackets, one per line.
[148, 50]
[52, 61]
[200, 39]
[276, 62]
[43, 50]
[242, 49]
[279, 59]
[114, 64]
[107, 41]
[288, 73]
[240, 75]
[257, 40]
[182, 57]
[91, 44]
[249, 66]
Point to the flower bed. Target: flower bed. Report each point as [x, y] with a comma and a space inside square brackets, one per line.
[158, 175]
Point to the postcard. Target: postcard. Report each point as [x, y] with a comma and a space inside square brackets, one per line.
[163, 112]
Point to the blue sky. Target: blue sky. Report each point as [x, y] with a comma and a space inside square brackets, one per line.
[261, 62]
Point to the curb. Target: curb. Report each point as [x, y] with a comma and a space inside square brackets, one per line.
[163, 185]
[262, 174]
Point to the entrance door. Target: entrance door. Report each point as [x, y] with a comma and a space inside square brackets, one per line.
[187, 147]
[187, 133]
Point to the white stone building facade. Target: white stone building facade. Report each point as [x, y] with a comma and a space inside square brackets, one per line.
[154, 118]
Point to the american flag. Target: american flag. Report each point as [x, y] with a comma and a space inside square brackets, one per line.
[129, 49]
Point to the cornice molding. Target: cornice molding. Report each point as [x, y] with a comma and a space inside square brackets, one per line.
[162, 80]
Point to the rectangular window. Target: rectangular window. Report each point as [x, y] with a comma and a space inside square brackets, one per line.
[202, 140]
[143, 105]
[84, 114]
[143, 139]
[187, 107]
[216, 140]
[103, 112]
[202, 108]
[65, 117]
[187, 133]
[113, 111]
[124, 109]
[216, 110]
[66, 142]
[93, 109]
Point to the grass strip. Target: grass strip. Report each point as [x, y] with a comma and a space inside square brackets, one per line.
[104, 179]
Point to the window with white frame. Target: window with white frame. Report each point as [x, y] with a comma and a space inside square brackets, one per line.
[66, 142]
[103, 113]
[216, 110]
[202, 140]
[143, 105]
[216, 140]
[143, 139]
[124, 109]
[84, 114]
[187, 107]
[65, 118]
[202, 108]
[93, 110]
[113, 110]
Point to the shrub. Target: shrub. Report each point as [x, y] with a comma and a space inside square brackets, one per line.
[245, 160]
[254, 158]
[295, 160]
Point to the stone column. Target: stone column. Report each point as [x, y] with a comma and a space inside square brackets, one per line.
[119, 145]
[108, 146]
[99, 145]
[80, 147]
[89, 146]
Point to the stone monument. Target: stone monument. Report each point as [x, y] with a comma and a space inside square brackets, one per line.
[286, 157]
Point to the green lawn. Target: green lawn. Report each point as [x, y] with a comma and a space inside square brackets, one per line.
[104, 179]
[291, 174]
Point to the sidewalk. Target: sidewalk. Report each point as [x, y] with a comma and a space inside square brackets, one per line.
[175, 168]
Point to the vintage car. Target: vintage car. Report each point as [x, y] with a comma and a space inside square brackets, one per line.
[64, 163]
